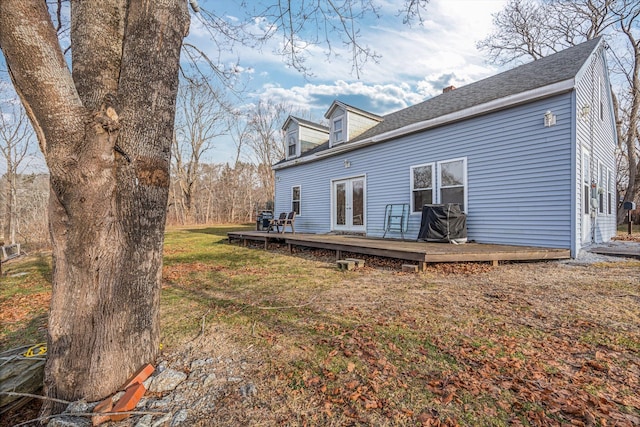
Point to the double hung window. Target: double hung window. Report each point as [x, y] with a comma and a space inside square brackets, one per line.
[452, 177]
[295, 199]
[422, 178]
[292, 145]
[441, 182]
[337, 129]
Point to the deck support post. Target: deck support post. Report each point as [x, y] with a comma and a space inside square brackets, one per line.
[495, 262]
[423, 266]
[338, 254]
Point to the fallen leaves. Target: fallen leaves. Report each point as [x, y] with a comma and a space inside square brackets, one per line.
[20, 308]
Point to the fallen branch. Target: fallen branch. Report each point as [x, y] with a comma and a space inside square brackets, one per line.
[283, 307]
[35, 396]
[204, 317]
[88, 414]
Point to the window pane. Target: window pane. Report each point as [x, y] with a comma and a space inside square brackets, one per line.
[341, 204]
[453, 195]
[295, 206]
[358, 202]
[452, 173]
[296, 193]
[422, 177]
[585, 168]
[601, 202]
[421, 198]
[337, 125]
[292, 145]
[610, 192]
[586, 199]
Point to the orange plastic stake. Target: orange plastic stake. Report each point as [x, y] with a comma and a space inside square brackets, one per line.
[128, 401]
[139, 377]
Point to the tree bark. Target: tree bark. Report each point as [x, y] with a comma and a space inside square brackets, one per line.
[107, 210]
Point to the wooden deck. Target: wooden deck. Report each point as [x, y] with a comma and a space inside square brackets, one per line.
[421, 253]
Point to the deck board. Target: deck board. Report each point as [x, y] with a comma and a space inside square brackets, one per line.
[409, 250]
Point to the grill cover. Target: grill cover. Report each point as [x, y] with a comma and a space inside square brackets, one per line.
[443, 223]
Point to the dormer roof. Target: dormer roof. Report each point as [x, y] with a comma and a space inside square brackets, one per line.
[305, 123]
[339, 104]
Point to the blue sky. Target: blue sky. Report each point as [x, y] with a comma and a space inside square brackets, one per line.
[416, 62]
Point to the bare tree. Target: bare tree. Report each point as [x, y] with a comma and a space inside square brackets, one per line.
[105, 128]
[265, 141]
[203, 115]
[16, 135]
[536, 28]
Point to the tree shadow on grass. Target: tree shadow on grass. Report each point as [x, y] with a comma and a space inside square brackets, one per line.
[222, 230]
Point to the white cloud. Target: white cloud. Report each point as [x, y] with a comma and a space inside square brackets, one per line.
[416, 63]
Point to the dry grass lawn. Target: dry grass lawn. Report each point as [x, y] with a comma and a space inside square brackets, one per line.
[548, 343]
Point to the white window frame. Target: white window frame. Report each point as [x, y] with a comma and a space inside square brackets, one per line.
[343, 138]
[465, 184]
[412, 188]
[299, 200]
[610, 192]
[293, 134]
[586, 182]
[602, 186]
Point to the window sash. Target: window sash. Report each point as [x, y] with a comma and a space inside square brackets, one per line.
[337, 129]
[295, 199]
[602, 186]
[292, 145]
[610, 192]
[586, 196]
[452, 182]
[423, 194]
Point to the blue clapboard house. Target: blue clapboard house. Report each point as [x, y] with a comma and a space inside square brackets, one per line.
[528, 154]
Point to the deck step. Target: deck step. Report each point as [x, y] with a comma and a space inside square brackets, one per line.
[410, 268]
[343, 264]
[359, 262]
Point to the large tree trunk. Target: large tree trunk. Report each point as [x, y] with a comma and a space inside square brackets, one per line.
[107, 210]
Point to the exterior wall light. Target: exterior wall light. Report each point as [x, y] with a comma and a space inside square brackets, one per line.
[549, 119]
[347, 163]
[586, 109]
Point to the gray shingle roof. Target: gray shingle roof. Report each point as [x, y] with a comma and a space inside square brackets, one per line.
[552, 69]
[310, 124]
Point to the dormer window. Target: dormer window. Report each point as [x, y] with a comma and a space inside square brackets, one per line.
[337, 129]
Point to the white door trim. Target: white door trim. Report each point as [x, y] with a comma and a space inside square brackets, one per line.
[348, 226]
